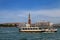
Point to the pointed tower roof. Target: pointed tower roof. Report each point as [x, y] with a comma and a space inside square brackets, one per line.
[29, 19]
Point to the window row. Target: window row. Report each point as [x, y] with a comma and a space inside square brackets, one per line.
[30, 28]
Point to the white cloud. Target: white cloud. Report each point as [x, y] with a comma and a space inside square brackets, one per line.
[52, 14]
[24, 13]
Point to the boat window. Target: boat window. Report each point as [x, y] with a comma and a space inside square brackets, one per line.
[31, 28]
[34, 28]
[28, 28]
[39, 28]
[24, 28]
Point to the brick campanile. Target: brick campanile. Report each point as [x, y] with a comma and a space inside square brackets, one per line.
[29, 20]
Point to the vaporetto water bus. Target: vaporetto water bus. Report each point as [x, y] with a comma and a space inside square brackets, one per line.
[36, 29]
[29, 28]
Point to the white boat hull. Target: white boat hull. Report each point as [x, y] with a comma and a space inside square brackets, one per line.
[44, 30]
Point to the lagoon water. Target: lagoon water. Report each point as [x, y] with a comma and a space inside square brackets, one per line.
[12, 33]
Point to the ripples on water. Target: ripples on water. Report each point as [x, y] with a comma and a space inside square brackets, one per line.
[13, 33]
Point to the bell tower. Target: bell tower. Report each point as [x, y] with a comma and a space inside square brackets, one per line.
[29, 20]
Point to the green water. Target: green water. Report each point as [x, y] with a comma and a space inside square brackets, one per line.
[12, 33]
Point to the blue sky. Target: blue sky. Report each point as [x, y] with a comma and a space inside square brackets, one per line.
[18, 10]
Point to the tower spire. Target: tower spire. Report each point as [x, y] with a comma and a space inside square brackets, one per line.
[29, 20]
